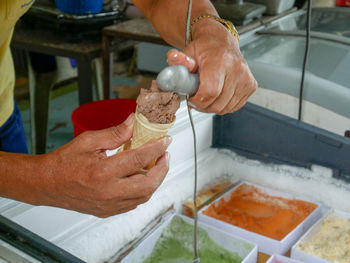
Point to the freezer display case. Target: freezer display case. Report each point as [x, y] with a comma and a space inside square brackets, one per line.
[261, 144]
[276, 55]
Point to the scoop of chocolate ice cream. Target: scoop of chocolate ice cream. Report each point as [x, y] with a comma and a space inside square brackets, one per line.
[157, 106]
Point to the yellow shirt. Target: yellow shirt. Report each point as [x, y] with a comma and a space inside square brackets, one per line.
[10, 12]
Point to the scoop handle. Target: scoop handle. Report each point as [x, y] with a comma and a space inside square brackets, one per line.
[179, 80]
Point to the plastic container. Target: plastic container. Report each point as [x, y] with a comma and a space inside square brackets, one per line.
[80, 7]
[245, 249]
[101, 114]
[343, 3]
[266, 245]
[282, 259]
[299, 254]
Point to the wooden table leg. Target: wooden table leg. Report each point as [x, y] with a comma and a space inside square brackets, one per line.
[107, 66]
[40, 85]
[85, 76]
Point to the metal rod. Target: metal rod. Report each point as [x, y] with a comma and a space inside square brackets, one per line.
[195, 245]
[300, 33]
[195, 210]
[306, 55]
[32, 244]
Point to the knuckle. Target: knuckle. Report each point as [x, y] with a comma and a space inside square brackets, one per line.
[228, 58]
[99, 212]
[211, 93]
[97, 176]
[223, 112]
[106, 194]
[255, 85]
[101, 197]
[217, 109]
[124, 210]
[139, 160]
[132, 208]
[233, 109]
[118, 133]
[158, 179]
[241, 105]
[166, 170]
[87, 137]
[149, 190]
[146, 199]
[215, 92]
[239, 66]
[102, 215]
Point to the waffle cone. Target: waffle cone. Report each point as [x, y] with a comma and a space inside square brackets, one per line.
[144, 131]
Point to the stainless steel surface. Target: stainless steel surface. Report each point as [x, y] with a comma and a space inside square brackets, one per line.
[333, 21]
[274, 7]
[239, 12]
[177, 79]
[10, 254]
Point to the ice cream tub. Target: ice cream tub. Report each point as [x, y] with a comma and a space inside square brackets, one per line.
[282, 259]
[276, 217]
[155, 246]
[327, 241]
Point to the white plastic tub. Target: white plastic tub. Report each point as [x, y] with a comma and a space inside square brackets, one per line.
[266, 245]
[299, 254]
[281, 259]
[245, 249]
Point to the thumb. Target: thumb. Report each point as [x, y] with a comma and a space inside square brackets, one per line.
[116, 136]
[176, 57]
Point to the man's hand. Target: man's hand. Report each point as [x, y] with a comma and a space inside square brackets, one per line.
[226, 82]
[80, 177]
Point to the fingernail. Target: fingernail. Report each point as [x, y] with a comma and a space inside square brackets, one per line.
[167, 141]
[167, 158]
[129, 121]
[190, 60]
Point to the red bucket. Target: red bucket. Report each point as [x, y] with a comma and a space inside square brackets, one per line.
[343, 3]
[101, 114]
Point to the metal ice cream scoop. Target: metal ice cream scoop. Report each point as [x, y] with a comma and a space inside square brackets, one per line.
[177, 79]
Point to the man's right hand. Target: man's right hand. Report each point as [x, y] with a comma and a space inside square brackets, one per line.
[79, 176]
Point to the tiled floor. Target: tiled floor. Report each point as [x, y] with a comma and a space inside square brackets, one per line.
[60, 127]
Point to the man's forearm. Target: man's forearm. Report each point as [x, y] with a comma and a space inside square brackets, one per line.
[169, 16]
[21, 177]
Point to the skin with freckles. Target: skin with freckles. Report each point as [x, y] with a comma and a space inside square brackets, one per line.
[226, 82]
[79, 176]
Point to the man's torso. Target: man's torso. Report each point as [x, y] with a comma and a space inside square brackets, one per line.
[10, 12]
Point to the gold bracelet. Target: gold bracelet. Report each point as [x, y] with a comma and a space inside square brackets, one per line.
[226, 23]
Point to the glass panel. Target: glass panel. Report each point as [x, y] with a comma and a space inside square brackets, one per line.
[276, 63]
[335, 21]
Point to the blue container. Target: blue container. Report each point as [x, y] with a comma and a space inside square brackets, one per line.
[80, 7]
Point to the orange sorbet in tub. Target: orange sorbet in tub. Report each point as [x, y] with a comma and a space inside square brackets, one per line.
[253, 210]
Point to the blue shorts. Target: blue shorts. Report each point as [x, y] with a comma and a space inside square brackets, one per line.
[12, 137]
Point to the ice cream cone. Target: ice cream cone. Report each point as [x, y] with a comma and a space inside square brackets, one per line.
[144, 131]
